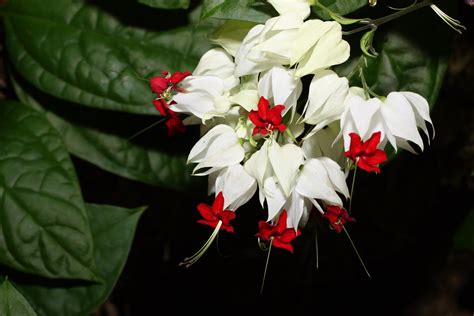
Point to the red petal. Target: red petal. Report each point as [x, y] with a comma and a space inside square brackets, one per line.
[265, 230]
[337, 227]
[371, 144]
[355, 148]
[288, 235]
[254, 117]
[279, 244]
[158, 84]
[206, 212]
[227, 216]
[175, 125]
[334, 210]
[263, 108]
[178, 76]
[275, 114]
[281, 225]
[218, 205]
[281, 127]
[227, 228]
[362, 164]
[378, 157]
[161, 106]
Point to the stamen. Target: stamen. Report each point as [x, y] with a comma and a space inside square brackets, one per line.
[266, 265]
[189, 261]
[357, 253]
[352, 186]
[146, 128]
[452, 23]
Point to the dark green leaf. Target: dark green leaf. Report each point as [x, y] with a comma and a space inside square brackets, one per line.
[166, 4]
[108, 149]
[44, 228]
[464, 238]
[244, 10]
[113, 229]
[12, 303]
[341, 7]
[82, 53]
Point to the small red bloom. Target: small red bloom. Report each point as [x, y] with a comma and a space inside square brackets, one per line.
[365, 154]
[266, 119]
[282, 236]
[165, 87]
[215, 213]
[337, 217]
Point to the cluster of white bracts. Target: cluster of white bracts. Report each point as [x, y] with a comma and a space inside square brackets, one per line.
[269, 61]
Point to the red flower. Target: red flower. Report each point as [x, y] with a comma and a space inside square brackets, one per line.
[215, 213]
[337, 217]
[282, 236]
[266, 119]
[164, 87]
[365, 154]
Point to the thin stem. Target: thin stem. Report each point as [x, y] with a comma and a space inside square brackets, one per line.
[352, 188]
[146, 128]
[266, 266]
[357, 253]
[377, 22]
[316, 244]
[189, 261]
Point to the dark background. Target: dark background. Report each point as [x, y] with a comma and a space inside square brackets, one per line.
[406, 220]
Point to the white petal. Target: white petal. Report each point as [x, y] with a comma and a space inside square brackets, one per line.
[258, 166]
[295, 207]
[244, 66]
[217, 62]
[219, 148]
[286, 161]
[231, 34]
[323, 144]
[313, 182]
[362, 113]
[336, 175]
[275, 197]
[195, 103]
[422, 110]
[248, 99]
[301, 7]
[236, 185]
[400, 118]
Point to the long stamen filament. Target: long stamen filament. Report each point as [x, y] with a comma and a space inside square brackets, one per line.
[146, 128]
[316, 245]
[189, 261]
[352, 187]
[452, 23]
[266, 265]
[357, 253]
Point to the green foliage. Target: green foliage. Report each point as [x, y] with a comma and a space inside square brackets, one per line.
[244, 10]
[166, 4]
[80, 52]
[12, 303]
[44, 228]
[104, 145]
[341, 7]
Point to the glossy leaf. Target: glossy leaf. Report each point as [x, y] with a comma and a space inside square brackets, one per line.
[44, 228]
[109, 148]
[113, 229]
[341, 7]
[166, 4]
[243, 10]
[12, 303]
[84, 53]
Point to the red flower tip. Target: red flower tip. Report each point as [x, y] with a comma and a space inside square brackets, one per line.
[213, 214]
[265, 119]
[365, 154]
[337, 217]
[281, 235]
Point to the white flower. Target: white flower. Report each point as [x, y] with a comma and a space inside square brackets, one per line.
[327, 94]
[236, 185]
[217, 149]
[258, 166]
[397, 117]
[318, 45]
[267, 45]
[301, 7]
[279, 86]
[206, 92]
[323, 144]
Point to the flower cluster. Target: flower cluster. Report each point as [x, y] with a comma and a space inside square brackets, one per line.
[260, 136]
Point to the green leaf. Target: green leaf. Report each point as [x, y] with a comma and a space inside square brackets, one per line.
[12, 303]
[464, 238]
[113, 229]
[341, 7]
[44, 228]
[81, 52]
[109, 148]
[243, 10]
[166, 4]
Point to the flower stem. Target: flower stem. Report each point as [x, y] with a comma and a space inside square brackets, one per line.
[357, 253]
[266, 266]
[352, 188]
[146, 128]
[377, 22]
[316, 244]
